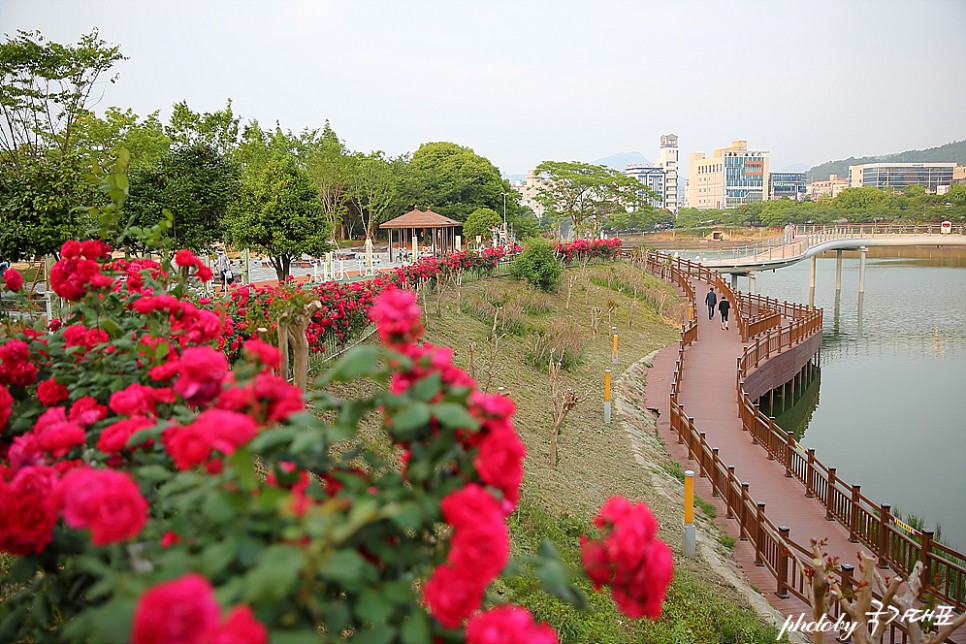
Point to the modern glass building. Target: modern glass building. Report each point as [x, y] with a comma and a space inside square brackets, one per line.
[731, 177]
[787, 185]
[897, 176]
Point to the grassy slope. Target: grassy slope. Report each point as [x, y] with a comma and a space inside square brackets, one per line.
[595, 460]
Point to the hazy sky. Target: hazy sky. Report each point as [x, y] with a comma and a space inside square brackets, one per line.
[521, 82]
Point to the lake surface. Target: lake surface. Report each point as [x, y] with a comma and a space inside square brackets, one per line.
[888, 409]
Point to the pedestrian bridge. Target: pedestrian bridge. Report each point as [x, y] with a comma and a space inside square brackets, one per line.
[806, 241]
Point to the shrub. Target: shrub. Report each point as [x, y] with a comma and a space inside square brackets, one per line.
[562, 341]
[538, 265]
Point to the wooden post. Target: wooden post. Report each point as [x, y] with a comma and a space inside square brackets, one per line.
[760, 534]
[771, 432]
[730, 497]
[847, 577]
[789, 454]
[702, 443]
[885, 521]
[925, 555]
[810, 475]
[743, 513]
[783, 561]
[715, 489]
[854, 515]
[830, 495]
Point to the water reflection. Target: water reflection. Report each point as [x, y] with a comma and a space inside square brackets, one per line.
[793, 411]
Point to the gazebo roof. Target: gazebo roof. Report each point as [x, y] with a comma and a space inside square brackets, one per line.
[421, 219]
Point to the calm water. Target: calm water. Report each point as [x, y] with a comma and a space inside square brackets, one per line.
[889, 408]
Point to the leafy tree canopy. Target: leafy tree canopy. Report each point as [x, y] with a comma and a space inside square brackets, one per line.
[279, 212]
[585, 194]
[196, 183]
[452, 180]
[479, 223]
[100, 139]
[218, 129]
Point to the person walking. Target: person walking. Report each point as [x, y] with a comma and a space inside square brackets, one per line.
[723, 307]
[711, 299]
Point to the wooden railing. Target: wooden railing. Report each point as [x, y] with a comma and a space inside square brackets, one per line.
[773, 546]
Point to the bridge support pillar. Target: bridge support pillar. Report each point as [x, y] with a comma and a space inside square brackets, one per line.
[838, 270]
[863, 253]
[751, 283]
[811, 281]
[734, 282]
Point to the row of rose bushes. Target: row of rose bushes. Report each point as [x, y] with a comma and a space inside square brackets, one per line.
[153, 492]
[344, 306]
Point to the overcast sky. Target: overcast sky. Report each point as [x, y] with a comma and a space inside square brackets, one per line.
[522, 81]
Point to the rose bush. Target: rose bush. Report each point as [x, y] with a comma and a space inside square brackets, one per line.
[586, 249]
[154, 491]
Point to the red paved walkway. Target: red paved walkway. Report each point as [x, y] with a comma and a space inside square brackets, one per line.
[708, 395]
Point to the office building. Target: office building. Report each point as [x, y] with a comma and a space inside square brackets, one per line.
[830, 187]
[528, 191]
[896, 176]
[731, 177]
[668, 160]
[787, 185]
[654, 177]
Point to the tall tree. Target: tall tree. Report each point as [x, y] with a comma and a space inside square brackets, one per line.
[219, 129]
[373, 189]
[331, 168]
[196, 183]
[279, 212]
[100, 139]
[46, 87]
[585, 195]
[452, 180]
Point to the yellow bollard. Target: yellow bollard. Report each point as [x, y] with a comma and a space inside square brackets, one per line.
[607, 396]
[690, 537]
[614, 351]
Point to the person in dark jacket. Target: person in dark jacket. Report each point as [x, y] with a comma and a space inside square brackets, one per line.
[723, 307]
[711, 299]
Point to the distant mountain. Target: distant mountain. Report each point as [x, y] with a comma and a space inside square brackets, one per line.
[620, 160]
[951, 152]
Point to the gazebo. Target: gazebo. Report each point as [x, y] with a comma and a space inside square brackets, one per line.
[442, 231]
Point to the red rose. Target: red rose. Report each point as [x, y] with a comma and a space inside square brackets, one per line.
[201, 371]
[480, 551]
[452, 596]
[469, 506]
[12, 279]
[268, 355]
[114, 437]
[6, 407]
[240, 627]
[28, 513]
[397, 317]
[56, 434]
[508, 625]
[50, 393]
[181, 610]
[107, 502]
[500, 463]
[85, 411]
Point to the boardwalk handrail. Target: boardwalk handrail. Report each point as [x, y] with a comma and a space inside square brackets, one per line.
[790, 244]
[772, 544]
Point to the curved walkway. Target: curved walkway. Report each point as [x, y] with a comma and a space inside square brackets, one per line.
[708, 395]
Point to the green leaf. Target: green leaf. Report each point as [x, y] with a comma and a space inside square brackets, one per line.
[275, 574]
[360, 361]
[244, 465]
[425, 389]
[373, 607]
[408, 515]
[336, 616]
[411, 417]
[454, 416]
[272, 438]
[556, 581]
[217, 556]
[377, 635]
[416, 628]
[346, 568]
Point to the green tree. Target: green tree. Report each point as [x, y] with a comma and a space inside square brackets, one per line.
[859, 201]
[585, 195]
[218, 129]
[538, 265]
[373, 188]
[196, 183]
[480, 222]
[45, 87]
[100, 139]
[452, 180]
[330, 167]
[279, 212]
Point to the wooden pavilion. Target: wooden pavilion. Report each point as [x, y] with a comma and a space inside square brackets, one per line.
[425, 229]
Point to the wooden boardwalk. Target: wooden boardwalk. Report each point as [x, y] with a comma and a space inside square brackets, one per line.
[709, 396]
